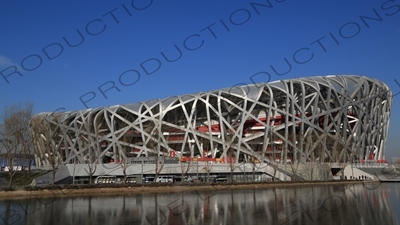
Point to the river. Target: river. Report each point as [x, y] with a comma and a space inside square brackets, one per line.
[375, 203]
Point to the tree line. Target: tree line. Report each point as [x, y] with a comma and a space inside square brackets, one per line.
[16, 144]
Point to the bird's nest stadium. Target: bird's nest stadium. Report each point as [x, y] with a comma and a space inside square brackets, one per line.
[324, 119]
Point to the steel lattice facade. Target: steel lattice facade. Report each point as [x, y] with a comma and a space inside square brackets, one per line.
[315, 119]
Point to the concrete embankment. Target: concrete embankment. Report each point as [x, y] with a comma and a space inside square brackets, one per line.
[151, 189]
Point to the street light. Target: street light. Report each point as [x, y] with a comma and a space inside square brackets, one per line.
[244, 170]
[142, 171]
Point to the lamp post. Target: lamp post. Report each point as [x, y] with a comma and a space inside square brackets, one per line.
[272, 148]
[73, 175]
[142, 172]
[244, 171]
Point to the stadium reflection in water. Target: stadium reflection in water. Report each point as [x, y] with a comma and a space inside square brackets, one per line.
[357, 204]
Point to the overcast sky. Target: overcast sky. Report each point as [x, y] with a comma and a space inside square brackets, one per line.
[84, 54]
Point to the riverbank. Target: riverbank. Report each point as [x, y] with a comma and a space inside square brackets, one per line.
[59, 192]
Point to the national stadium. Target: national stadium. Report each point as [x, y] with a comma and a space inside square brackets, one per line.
[303, 128]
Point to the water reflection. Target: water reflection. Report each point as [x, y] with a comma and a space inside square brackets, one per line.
[357, 204]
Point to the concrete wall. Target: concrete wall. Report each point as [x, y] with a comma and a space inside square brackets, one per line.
[355, 173]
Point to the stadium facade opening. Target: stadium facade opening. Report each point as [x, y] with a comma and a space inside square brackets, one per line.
[325, 119]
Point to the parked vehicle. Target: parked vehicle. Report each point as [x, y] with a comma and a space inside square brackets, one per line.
[165, 179]
[148, 179]
[105, 180]
[131, 180]
[220, 179]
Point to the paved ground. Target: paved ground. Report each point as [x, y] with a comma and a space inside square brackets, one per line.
[390, 173]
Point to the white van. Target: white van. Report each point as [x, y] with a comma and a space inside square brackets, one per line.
[165, 179]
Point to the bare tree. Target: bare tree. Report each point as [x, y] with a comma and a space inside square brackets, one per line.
[15, 136]
[90, 143]
[26, 140]
[154, 143]
[295, 168]
[232, 161]
[160, 161]
[159, 157]
[91, 161]
[185, 167]
[253, 162]
[208, 168]
[46, 141]
[10, 153]
[123, 162]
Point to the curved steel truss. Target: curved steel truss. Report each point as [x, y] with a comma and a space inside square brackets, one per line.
[317, 119]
